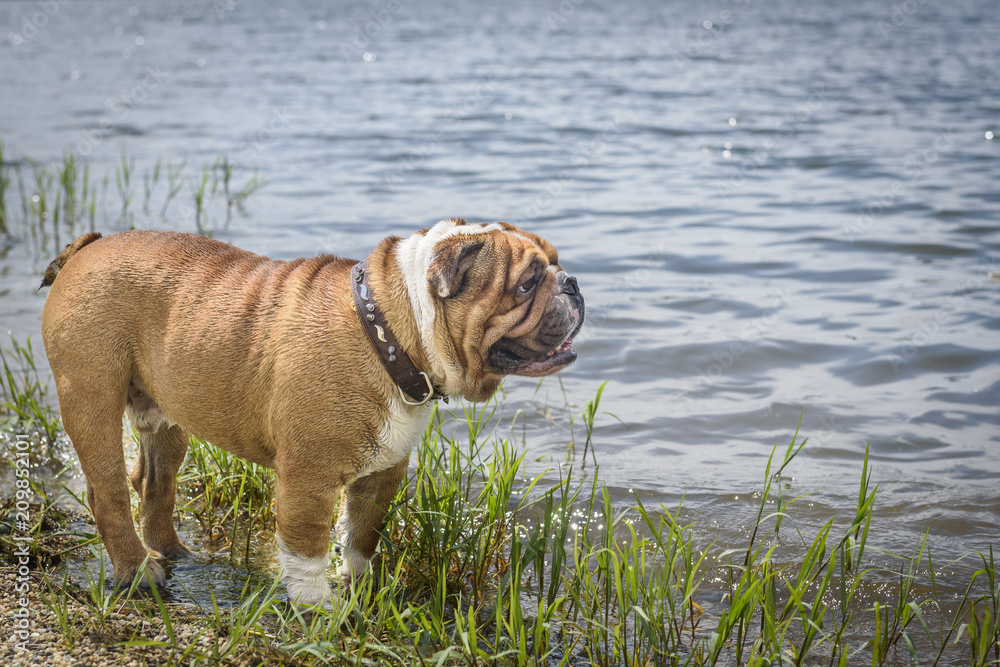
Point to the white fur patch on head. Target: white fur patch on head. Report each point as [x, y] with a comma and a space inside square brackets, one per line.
[305, 578]
[415, 256]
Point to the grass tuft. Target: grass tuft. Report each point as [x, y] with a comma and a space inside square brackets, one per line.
[58, 200]
[24, 404]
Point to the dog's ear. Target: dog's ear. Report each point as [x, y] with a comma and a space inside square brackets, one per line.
[450, 265]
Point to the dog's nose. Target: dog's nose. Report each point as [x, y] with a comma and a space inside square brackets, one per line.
[570, 286]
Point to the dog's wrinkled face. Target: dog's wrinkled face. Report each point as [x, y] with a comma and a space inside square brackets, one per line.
[497, 303]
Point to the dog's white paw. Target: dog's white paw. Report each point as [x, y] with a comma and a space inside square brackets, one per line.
[354, 565]
[305, 578]
[307, 594]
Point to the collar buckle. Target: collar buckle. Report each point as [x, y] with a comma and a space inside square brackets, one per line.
[429, 395]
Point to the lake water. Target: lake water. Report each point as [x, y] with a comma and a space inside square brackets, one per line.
[773, 208]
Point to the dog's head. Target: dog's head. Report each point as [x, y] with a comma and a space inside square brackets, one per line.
[490, 300]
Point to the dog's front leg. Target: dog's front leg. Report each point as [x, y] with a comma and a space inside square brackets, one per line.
[362, 513]
[305, 504]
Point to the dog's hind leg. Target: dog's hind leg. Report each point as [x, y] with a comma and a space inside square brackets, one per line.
[154, 477]
[92, 416]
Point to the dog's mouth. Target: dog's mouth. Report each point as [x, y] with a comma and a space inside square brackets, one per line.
[507, 361]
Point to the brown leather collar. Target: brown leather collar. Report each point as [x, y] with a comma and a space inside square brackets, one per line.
[415, 386]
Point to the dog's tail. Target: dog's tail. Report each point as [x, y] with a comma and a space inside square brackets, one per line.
[63, 257]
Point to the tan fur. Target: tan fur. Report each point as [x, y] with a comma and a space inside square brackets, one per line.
[266, 359]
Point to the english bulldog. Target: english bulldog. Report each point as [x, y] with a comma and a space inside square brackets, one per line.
[322, 368]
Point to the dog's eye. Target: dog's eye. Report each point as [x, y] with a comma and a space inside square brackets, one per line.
[527, 285]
